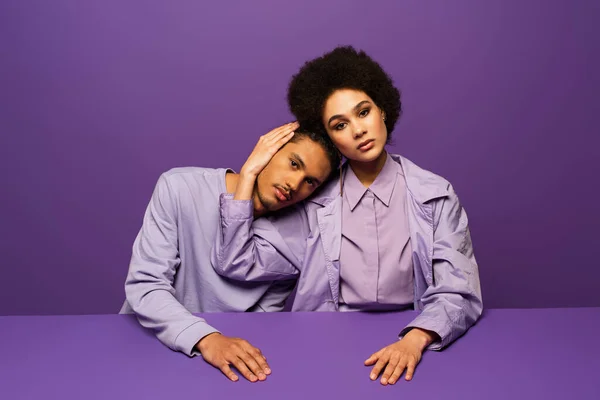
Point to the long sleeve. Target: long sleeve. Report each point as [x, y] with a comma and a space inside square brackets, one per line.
[149, 284]
[453, 303]
[251, 250]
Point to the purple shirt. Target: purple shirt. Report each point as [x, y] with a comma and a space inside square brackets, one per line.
[170, 274]
[376, 269]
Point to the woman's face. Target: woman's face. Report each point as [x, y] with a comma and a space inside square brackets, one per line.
[355, 125]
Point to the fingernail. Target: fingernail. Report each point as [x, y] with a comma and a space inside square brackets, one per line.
[384, 381]
[267, 370]
[373, 377]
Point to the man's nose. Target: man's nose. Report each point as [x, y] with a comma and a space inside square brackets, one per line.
[293, 182]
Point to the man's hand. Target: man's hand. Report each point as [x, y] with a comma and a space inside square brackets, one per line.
[222, 351]
[264, 150]
[404, 354]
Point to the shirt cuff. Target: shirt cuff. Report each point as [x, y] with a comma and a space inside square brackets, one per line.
[187, 339]
[235, 209]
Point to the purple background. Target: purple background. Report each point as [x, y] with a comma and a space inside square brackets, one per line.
[98, 98]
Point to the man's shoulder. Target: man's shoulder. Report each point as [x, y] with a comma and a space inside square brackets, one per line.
[176, 173]
[178, 176]
[192, 183]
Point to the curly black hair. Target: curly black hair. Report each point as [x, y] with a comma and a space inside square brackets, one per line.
[342, 68]
[333, 154]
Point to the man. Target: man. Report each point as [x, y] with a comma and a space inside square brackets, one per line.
[170, 275]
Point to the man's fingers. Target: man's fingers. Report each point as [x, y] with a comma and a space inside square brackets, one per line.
[258, 356]
[281, 137]
[283, 140]
[278, 131]
[402, 365]
[260, 359]
[228, 372]
[374, 357]
[410, 369]
[241, 366]
[396, 375]
[389, 369]
[252, 364]
[273, 145]
[383, 360]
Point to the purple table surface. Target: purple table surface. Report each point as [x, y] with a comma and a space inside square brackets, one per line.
[509, 354]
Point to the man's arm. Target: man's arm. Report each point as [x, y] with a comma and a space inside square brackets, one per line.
[249, 250]
[150, 293]
[149, 284]
[245, 249]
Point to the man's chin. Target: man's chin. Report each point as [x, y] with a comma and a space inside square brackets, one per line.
[268, 206]
[274, 206]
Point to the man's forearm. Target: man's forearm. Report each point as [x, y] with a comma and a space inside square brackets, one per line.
[245, 186]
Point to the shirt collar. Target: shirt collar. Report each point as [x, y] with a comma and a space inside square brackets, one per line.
[382, 187]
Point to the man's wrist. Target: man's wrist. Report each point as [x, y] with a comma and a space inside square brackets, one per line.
[245, 186]
[424, 337]
[201, 343]
[247, 175]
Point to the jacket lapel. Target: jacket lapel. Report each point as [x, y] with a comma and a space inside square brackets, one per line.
[329, 219]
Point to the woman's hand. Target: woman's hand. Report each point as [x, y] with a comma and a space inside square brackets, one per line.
[405, 354]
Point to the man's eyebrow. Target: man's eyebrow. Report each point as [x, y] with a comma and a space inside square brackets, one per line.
[299, 160]
[356, 107]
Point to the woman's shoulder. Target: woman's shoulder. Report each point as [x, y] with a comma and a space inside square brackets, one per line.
[422, 183]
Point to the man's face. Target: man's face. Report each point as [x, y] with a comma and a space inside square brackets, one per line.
[293, 174]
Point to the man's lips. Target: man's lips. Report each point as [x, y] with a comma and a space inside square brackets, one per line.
[281, 194]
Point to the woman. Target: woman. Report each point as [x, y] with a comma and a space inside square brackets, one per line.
[387, 235]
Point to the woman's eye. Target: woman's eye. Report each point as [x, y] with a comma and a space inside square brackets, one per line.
[310, 181]
[339, 127]
[364, 112]
[294, 163]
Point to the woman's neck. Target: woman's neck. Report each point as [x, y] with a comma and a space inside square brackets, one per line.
[367, 172]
